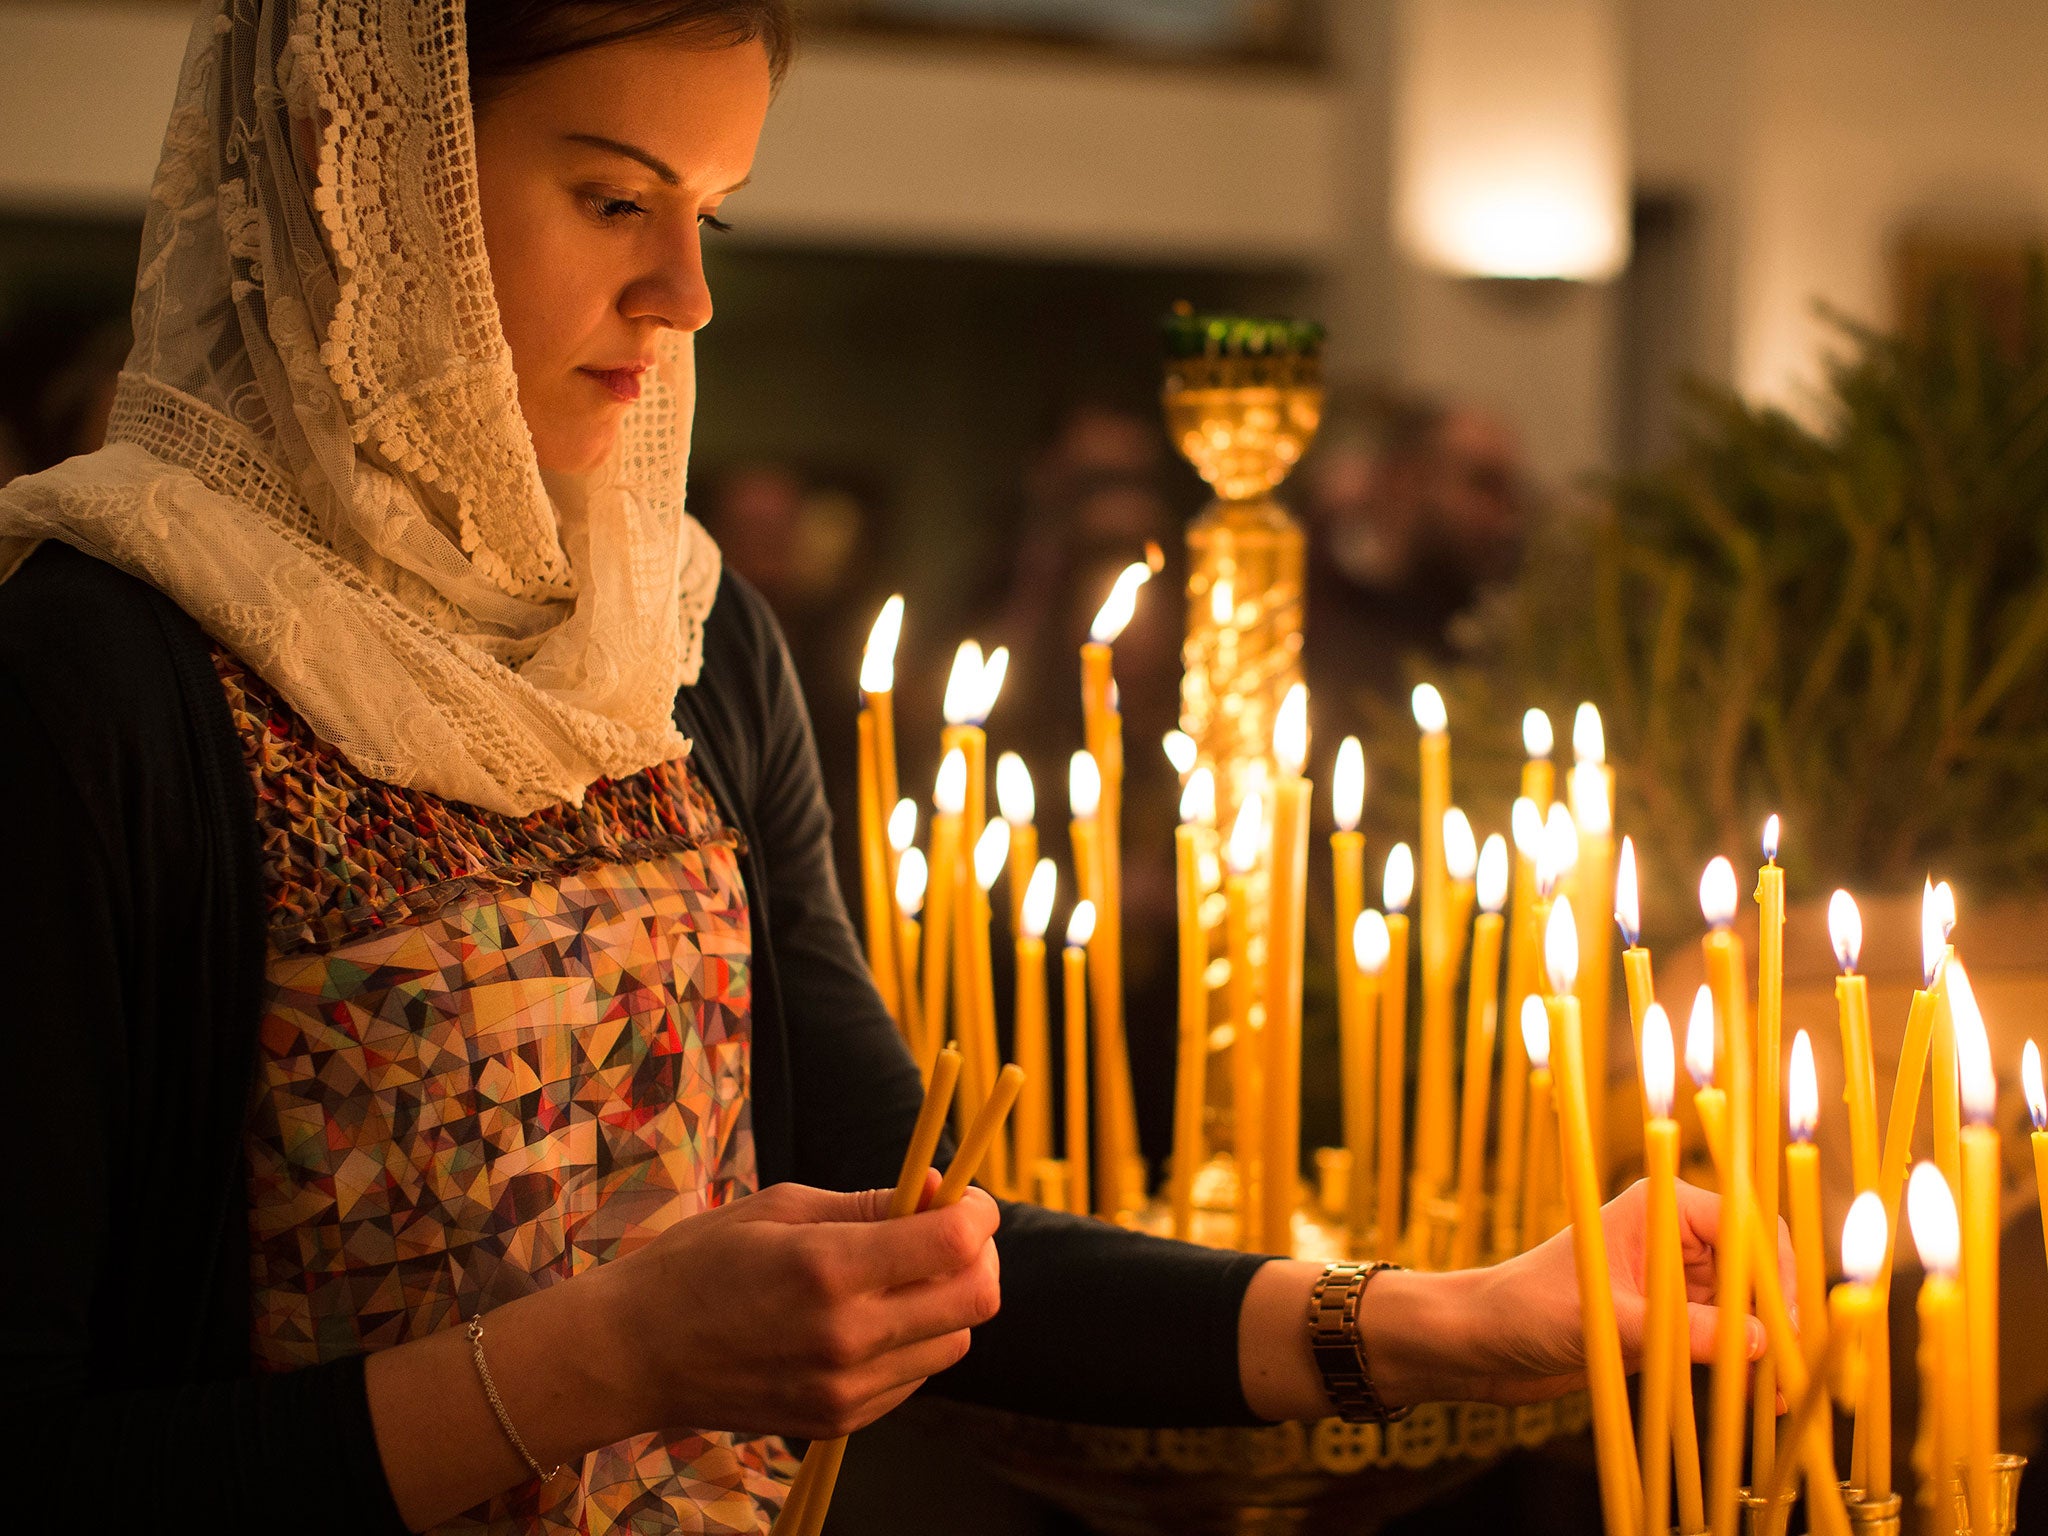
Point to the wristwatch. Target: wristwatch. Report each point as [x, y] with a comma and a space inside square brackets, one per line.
[1334, 1340]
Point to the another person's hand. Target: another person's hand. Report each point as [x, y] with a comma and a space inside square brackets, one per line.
[800, 1311]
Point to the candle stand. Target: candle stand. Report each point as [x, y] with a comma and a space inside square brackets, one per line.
[2005, 1496]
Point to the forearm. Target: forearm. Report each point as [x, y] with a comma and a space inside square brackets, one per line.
[561, 1370]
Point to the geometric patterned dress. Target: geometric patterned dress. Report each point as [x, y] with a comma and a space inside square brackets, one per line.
[495, 1052]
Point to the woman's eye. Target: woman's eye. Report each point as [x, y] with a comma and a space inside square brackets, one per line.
[713, 221]
[609, 210]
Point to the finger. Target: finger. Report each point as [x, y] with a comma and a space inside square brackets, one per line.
[1703, 1325]
[800, 1204]
[884, 1255]
[929, 1308]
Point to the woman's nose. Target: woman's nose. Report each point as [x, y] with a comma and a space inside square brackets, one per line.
[674, 293]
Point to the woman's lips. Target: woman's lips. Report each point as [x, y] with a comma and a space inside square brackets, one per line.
[623, 383]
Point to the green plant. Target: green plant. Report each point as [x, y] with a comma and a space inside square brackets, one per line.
[1845, 622]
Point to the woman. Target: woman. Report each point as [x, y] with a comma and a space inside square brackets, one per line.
[420, 890]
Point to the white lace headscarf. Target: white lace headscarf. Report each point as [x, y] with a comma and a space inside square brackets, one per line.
[317, 449]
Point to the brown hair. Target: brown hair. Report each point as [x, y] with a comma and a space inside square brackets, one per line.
[510, 38]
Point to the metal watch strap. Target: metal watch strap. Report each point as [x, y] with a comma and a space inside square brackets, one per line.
[1334, 1340]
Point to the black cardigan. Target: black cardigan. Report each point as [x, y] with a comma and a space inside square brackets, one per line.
[131, 908]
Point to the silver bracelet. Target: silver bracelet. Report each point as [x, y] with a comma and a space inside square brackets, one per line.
[483, 1371]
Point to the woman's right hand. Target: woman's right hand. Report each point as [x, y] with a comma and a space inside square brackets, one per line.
[799, 1311]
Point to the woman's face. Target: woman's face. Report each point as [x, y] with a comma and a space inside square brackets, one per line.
[598, 174]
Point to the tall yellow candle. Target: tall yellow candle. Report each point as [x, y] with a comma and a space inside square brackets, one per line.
[1664, 1323]
[878, 694]
[1943, 1347]
[1539, 1193]
[1397, 884]
[1034, 1047]
[1942, 1052]
[878, 924]
[1354, 1045]
[1859, 1092]
[1084, 833]
[1438, 967]
[1247, 1080]
[1435, 1070]
[1770, 1012]
[1074, 997]
[991, 855]
[1482, 1012]
[1525, 947]
[1636, 973]
[912, 876]
[1017, 799]
[2037, 1110]
[1621, 1496]
[1980, 1222]
[1287, 873]
[1591, 790]
[1370, 946]
[949, 798]
[1728, 988]
[1191, 1066]
[1802, 1198]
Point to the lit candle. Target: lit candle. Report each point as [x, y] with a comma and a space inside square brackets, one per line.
[1084, 832]
[1434, 1071]
[1942, 1344]
[1859, 1090]
[1592, 804]
[1074, 999]
[878, 695]
[991, 853]
[1876, 1457]
[1181, 751]
[1770, 1009]
[1539, 1196]
[1370, 944]
[1613, 1435]
[1347, 872]
[1439, 967]
[1525, 946]
[1802, 1197]
[1397, 885]
[1017, 799]
[1241, 859]
[1482, 1004]
[911, 878]
[949, 801]
[1034, 1047]
[1724, 966]
[2037, 1110]
[877, 798]
[1636, 973]
[1947, 1091]
[1669, 1432]
[1287, 898]
[1980, 1222]
[1197, 826]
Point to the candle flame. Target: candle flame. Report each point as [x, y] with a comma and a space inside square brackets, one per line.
[1974, 1073]
[991, 853]
[912, 876]
[1802, 1090]
[1658, 1066]
[1222, 601]
[1122, 602]
[1015, 794]
[1945, 895]
[1290, 731]
[1038, 897]
[1428, 706]
[1081, 925]
[1717, 893]
[1371, 943]
[1931, 1213]
[1699, 1039]
[1538, 740]
[993, 671]
[1461, 852]
[903, 825]
[2030, 1080]
[1493, 874]
[1845, 930]
[1084, 786]
[1347, 784]
[878, 659]
[1933, 937]
[1628, 905]
[1525, 822]
[1397, 884]
[1591, 806]
[963, 684]
[1560, 849]
[1864, 1235]
[949, 792]
[1241, 852]
[1155, 557]
[1181, 751]
[1198, 800]
[1536, 1032]
[1561, 947]
[1589, 736]
[1771, 832]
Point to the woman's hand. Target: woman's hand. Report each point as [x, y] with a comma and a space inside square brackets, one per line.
[800, 1311]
